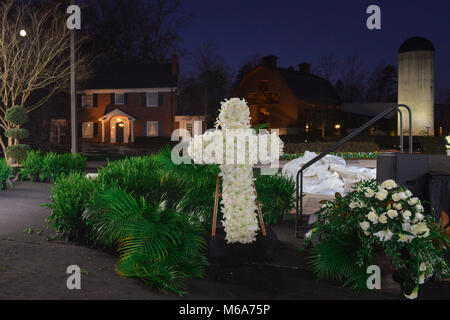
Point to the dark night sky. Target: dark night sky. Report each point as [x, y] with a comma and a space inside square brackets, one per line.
[299, 31]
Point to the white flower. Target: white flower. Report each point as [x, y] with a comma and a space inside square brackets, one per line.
[364, 225]
[367, 233]
[384, 235]
[413, 201]
[389, 184]
[373, 217]
[406, 227]
[381, 194]
[413, 295]
[406, 214]
[383, 218]
[353, 205]
[420, 230]
[408, 193]
[423, 266]
[418, 217]
[419, 208]
[405, 238]
[369, 193]
[403, 195]
[398, 206]
[396, 197]
[392, 214]
[310, 233]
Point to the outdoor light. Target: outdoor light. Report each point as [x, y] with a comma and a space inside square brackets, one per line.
[23, 33]
[338, 126]
[121, 125]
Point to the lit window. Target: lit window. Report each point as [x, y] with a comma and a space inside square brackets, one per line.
[119, 98]
[152, 128]
[88, 129]
[198, 127]
[152, 99]
[87, 101]
[189, 128]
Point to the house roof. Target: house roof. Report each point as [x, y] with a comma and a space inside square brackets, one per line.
[369, 109]
[132, 76]
[112, 111]
[309, 87]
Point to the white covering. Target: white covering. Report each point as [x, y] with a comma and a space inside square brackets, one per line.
[327, 176]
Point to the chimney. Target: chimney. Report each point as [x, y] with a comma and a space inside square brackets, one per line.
[174, 64]
[269, 61]
[304, 67]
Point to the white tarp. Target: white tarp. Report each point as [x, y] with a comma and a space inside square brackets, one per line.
[328, 175]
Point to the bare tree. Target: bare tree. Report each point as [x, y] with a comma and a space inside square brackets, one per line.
[328, 67]
[352, 83]
[136, 31]
[207, 84]
[382, 85]
[34, 53]
[161, 38]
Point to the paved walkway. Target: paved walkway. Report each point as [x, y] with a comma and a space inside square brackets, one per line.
[33, 268]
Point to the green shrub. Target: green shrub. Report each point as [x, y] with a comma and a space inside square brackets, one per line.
[17, 133]
[276, 194]
[159, 245]
[137, 175]
[5, 174]
[69, 198]
[16, 115]
[55, 165]
[32, 165]
[18, 151]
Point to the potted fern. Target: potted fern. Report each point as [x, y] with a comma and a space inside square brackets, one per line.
[377, 224]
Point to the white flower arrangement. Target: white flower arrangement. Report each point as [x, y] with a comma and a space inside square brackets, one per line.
[233, 133]
[385, 216]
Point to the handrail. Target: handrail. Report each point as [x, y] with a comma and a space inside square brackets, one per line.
[299, 209]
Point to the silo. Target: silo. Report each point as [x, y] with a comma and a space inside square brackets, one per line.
[416, 84]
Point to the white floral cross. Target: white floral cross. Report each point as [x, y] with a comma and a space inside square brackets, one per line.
[238, 197]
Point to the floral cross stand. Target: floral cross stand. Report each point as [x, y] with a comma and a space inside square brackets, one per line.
[237, 240]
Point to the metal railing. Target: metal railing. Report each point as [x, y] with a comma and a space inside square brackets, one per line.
[299, 178]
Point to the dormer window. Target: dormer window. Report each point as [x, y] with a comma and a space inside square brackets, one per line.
[87, 100]
[152, 99]
[119, 98]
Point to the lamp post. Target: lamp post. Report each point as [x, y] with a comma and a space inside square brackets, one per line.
[338, 128]
[73, 23]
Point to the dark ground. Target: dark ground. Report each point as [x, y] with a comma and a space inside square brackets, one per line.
[33, 268]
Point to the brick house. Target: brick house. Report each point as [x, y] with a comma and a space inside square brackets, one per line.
[293, 101]
[123, 102]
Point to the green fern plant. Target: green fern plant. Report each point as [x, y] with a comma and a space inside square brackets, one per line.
[334, 260]
[162, 246]
[32, 165]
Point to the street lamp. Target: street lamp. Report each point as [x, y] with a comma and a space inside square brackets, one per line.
[338, 128]
[23, 33]
[73, 23]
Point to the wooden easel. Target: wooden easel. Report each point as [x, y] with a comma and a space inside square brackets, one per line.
[216, 208]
